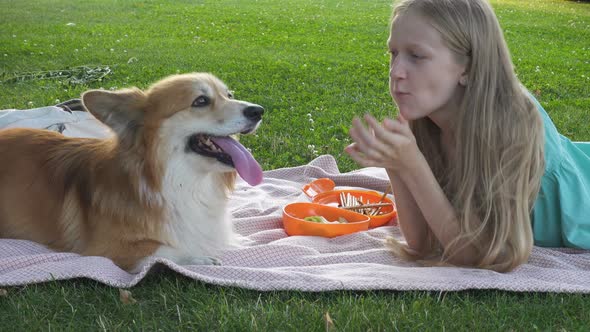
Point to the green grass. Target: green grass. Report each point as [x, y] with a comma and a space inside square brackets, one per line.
[306, 59]
[167, 302]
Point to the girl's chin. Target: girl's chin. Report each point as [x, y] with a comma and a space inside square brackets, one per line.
[406, 112]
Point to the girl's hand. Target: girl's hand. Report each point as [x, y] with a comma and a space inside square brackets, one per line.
[390, 145]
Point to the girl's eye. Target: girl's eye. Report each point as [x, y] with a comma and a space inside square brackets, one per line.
[201, 101]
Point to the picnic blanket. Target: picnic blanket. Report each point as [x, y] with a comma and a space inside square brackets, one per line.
[275, 261]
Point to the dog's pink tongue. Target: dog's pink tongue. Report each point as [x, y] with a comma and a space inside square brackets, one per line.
[244, 162]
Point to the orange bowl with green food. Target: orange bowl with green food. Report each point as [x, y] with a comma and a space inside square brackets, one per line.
[303, 218]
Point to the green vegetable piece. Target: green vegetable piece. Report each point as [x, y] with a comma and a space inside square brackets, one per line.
[318, 219]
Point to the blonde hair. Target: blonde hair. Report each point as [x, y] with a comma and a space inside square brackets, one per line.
[498, 162]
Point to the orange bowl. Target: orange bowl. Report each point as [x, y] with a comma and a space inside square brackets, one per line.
[332, 199]
[294, 223]
[318, 186]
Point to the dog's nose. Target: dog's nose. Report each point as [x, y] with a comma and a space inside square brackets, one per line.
[254, 112]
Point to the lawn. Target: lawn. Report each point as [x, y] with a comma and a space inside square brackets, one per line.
[313, 65]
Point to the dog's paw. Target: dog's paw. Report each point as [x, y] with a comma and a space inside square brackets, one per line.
[204, 260]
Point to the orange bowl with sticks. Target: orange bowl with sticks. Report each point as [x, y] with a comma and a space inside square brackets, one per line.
[377, 206]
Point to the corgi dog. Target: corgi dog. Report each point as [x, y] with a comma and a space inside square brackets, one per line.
[159, 186]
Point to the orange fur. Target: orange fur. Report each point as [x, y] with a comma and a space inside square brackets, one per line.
[105, 197]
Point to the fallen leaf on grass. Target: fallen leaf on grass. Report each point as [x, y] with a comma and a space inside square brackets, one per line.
[126, 296]
[3, 292]
[328, 321]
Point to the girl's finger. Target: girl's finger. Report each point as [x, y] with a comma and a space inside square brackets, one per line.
[357, 156]
[361, 135]
[359, 130]
[352, 149]
[378, 130]
[385, 140]
[355, 132]
[379, 141]
[378, 147]
[397, 126]
[390, 134]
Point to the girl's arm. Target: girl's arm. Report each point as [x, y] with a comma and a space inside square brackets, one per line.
[421, 200]
[409, 217]
[437, 212]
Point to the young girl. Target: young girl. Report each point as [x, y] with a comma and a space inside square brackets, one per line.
[479, 171]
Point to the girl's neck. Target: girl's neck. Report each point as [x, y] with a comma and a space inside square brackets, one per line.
[448, 145]
[444, 119]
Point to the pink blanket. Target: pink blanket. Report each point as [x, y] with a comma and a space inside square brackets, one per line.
[275, 261]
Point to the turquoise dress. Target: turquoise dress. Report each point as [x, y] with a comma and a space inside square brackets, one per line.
[561, 214]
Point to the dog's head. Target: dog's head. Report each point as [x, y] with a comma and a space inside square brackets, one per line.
[188, 118]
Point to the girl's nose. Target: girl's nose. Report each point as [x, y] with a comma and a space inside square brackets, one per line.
[396, 69]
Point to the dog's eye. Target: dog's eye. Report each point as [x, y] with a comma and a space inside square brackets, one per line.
[201, 101]
[230, 94]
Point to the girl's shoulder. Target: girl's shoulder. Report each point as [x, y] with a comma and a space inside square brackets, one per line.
[554, 153]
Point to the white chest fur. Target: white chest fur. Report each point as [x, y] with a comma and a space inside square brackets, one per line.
[197, 222]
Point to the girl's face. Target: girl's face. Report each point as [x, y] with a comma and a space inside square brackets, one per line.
[424, 74]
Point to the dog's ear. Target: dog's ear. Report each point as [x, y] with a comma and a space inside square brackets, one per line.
[121, 110]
